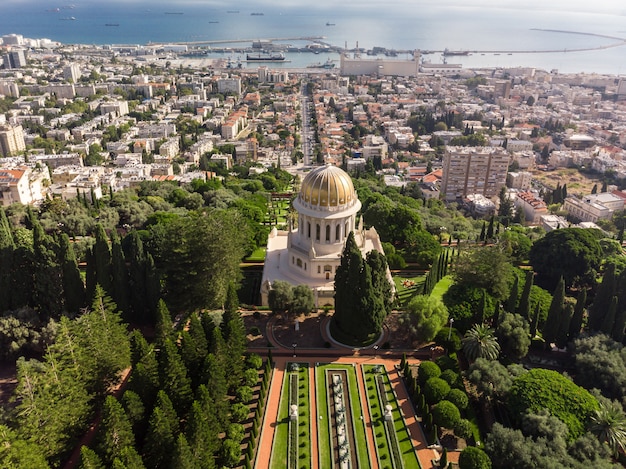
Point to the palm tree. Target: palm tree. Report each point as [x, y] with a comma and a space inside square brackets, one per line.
[608, 423]
[480, 342]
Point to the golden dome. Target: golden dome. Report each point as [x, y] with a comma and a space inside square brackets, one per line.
[327, 186]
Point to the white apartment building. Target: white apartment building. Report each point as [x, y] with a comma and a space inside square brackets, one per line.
[11, 140]
[473, 170]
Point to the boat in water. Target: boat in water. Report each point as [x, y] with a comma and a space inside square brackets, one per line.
[455, 52]
[279, 57]
[111, 24]
[330, 24]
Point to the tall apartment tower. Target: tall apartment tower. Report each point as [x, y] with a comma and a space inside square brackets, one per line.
[473, 170]
[72, 72]
[14, 59]
[11, 140]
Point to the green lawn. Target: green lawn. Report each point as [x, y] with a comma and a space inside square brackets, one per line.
[405, 293]
[281, 436]
[258, 255]
[442, 287]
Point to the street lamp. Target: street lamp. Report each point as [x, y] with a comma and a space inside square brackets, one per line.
[450, 330]
[294, 345]
[375, 347]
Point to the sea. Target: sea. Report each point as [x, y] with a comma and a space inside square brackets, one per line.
[533, 33]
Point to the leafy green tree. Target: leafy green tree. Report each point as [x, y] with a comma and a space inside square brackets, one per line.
[572, 253]
[231, 453]
[511, 303]
[214, 377]
[303, 300]
[491, 378]
[474, 458]
[197, 263]
[115, 432]
[513, 334]
[135, 410]
[210, 439]
[608, 423]
[487, 268]
[280, 296]
[164, 326]
[546, 389]
[600, 363]
[480, 342]
[48, 275]
[425, 316]
[458, 398]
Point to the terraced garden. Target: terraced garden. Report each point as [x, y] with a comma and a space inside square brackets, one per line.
[340, 419]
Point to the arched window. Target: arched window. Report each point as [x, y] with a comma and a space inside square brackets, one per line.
[328, 233]
[328, 268]
[317, 232]
[337, 232]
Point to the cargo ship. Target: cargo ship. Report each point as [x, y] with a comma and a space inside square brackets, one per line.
[455, 52]
[280, 57]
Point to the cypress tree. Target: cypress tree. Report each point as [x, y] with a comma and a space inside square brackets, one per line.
[511, 303]
[576, 323]
[483, 231]
[567, 313]
[603, 298]
[102, 254]
[115, 432]
[608, 322]
[173, 377]
[90, 274]
[620, 323]
[89, 459]
[523, 307]
[214, 377]
[136, 257]
[73, 287]
[7, 246]
[551, 327]
[120, 279]
[153, 290]
[201, 434]
[490, 232]
[48, 277]
[163, 327]
[183, 457]
[160, 440]
[535, 323]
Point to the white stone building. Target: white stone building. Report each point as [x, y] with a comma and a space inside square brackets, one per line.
[310, 253]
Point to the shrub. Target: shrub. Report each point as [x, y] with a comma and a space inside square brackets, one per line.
[435, 390]
[447, 362]
[254, 331]
[452, 378]
[446, 414]
[458, 398]
[463, 429]
[474, 458]
[244, 394]
[254, 361]
[250, 377]
[239, 412]
[235, 432]
[426, 371]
